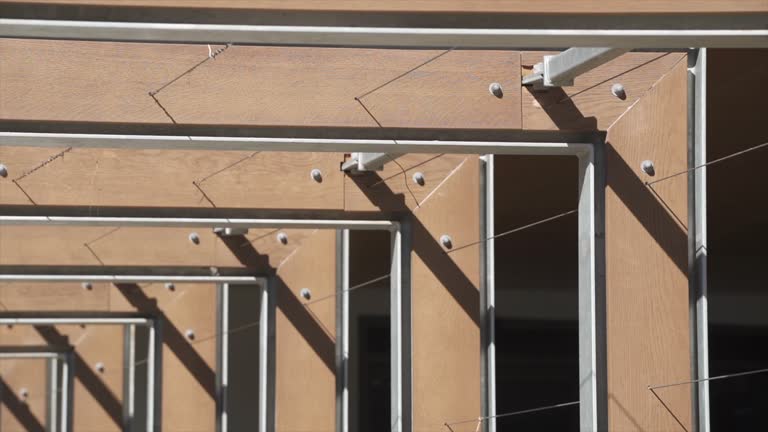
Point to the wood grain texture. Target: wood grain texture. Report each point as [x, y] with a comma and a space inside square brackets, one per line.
[393, 188]
[189, 364]
[439, 6]
[648, 332]
[318, 86]
[97, 394]
[589, 103]
[252, 85]
[305, 375]
[446, 334]
[54, 297]
[96, 344]
[170, 178]
[118, 246]
[18, 374]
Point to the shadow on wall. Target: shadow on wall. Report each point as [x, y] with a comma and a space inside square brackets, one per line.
[19, 409]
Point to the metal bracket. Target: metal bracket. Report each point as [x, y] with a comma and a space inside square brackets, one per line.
[362, 162]
[561, 69]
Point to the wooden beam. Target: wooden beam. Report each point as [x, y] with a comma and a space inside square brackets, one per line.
[648, 327]
[257, 86]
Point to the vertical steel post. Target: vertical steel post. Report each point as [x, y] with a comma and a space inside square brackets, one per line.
[592, 324]
[697, 235]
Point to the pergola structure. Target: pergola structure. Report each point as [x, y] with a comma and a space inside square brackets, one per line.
[665, 124]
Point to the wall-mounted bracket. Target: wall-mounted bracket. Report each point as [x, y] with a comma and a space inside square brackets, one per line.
[561, 69]
[364, 161]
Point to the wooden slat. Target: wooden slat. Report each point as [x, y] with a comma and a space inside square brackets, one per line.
[589, 103]
[96, 344]
[446, 334]
[440, 6]
[305, 338]
[153, 178]
[251, 85]
[648, 327]
[189, 364]
[393, 188]
[318, 87]
[54, 297]
[30, 374]
[113, 246]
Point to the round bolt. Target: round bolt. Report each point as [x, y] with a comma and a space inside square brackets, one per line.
[10, 326]
[446, 241]
[418, 178]
[170, 286]
[282, 237]
[3, 171]
[100, 367]
[190, 334]
[648, 168]
[496, 90]
[24, 393]
[194, 238]
[87, 286]
[306, 293]
[317, 175]
[619, 91]
[214, 271]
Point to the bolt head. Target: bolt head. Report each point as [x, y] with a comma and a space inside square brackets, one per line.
[419, 179]
[648, 168]
[317, 175]
[100, 367]
[170, 286]
[446, 241]
[194, 238]
[619, 91]
[496, 90]
[190, 334]
[87, 286]
[3, 171]
[24, 393]
[282, 237]
[306, 293]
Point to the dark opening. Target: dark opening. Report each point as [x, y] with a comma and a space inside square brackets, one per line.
[242, 391]
[537, 342]
[369, 338]
[737, 208]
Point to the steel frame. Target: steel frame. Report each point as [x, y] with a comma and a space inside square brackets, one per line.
[59, 383]
[125, 319]
[222, 355]
[400, 307]
[381, 37]
[591, 211]
[592, 391]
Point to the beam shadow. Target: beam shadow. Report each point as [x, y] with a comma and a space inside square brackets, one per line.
[95, 386]
[561, 109]
[19, 409]
[643, 204]
[172, 337]
[313, 331]
[426, 247]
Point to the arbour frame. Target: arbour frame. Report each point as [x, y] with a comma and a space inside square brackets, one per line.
[591, 210]
[400, 309]
[60, 388]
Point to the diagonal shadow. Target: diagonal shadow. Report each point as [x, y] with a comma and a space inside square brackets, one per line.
[300, 316]
[561, 109]
[634, 194]
[19, 409]
[96, 387]
[172, 337]
[426, 247]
